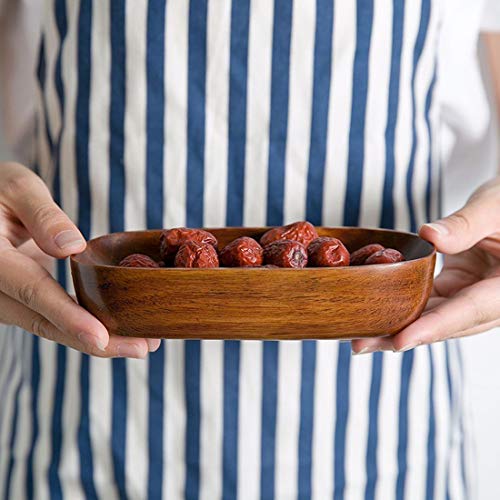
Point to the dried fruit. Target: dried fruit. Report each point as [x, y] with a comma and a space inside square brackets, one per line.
[172, 239]
[359, 257]
[194, 254]
[286, 253]
[386, 256]
[138, 260]
[242, 251]
[303, 232]
[327, 252]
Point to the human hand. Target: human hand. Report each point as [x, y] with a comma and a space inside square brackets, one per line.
[29, 296]
[465, 299]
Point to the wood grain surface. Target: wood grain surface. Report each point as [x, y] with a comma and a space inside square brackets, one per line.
[254, 303]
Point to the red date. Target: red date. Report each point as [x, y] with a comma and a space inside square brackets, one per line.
[194, 254]
[172, 239]
[327, 252]
[303, 232]
[386, 256]
[241, 252]
[138, 260]
[359, 257]
[286, 253]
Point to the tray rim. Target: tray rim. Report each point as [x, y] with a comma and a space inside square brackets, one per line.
[76, 258]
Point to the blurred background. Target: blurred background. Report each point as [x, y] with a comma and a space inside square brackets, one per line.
[468, 168]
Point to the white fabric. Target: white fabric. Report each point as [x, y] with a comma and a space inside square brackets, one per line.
[465, 109]
[491, 16]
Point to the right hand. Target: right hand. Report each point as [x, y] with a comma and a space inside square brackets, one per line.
[29, 295]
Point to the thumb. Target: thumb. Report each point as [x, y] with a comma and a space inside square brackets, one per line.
[464, 228]
[30, 201]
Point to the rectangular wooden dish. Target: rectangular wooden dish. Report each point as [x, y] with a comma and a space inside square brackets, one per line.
[254, 303]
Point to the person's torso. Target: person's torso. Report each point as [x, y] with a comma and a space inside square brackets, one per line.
[173, 113]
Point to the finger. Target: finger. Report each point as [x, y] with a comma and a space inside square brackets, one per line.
[153, 344]
[485, 327]
[464, 333]
[29, 199]
[15, 313]
[12, 227]
[128, 347]
[491, 245]
[464, 228]
[469, 310]
[367, 346]
[451, 280]
[432, 303]
[34, 252]
[30, 284]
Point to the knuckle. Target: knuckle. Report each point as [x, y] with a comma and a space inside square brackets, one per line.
[474, 311]
[479, 315]
[30, 291]
[48, 214]
[41, 327]
[459, 219]
[438, 326]
[17, 182]
[26, 294]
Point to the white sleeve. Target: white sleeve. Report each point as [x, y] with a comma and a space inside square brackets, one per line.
[20, 23]
[491, 16]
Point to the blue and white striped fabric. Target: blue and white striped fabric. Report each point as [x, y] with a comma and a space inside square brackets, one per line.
[252, 112]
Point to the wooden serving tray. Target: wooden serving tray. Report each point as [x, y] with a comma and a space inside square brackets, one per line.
[254, 303]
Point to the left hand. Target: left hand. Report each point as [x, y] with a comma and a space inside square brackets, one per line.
[465, 299]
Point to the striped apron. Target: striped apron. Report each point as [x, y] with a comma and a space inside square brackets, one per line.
[252, 112]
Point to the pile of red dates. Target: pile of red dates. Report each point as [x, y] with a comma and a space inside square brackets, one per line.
[297, 245]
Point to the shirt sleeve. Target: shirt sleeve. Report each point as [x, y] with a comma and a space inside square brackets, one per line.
[491, 16]
[20, 24]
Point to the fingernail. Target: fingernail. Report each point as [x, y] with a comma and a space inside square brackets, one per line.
[439, 227]
[129, 351]
[153, 344]
[365, 350]
[69, 239]
[92, 340]
[407, 347]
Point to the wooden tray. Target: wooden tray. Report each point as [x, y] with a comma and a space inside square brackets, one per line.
[254, 303]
